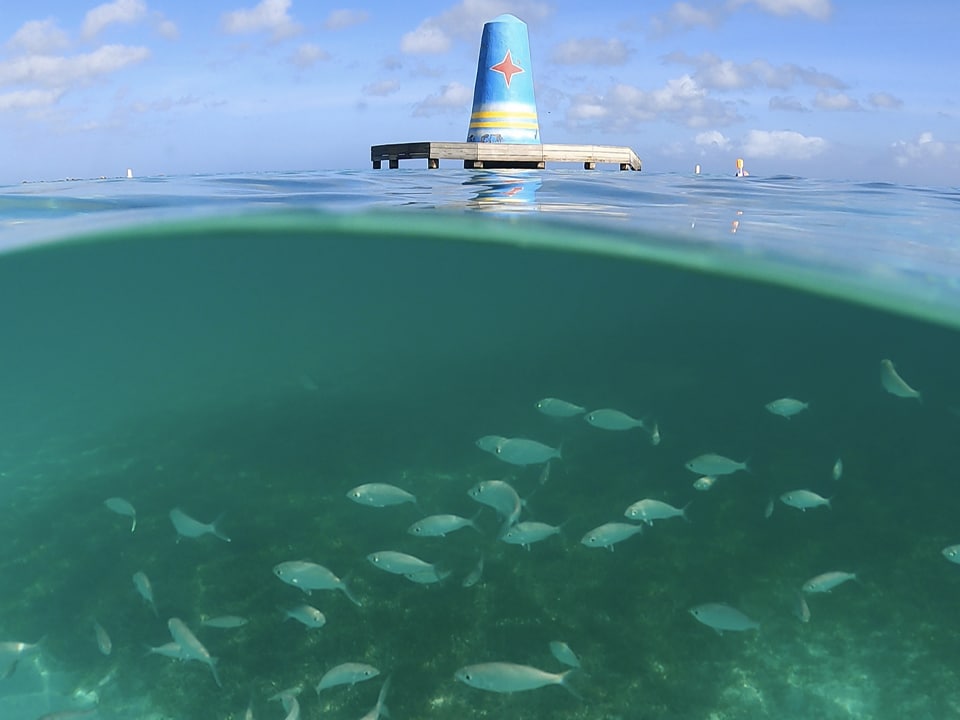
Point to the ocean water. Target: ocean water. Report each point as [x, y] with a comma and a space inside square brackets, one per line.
[249, 348]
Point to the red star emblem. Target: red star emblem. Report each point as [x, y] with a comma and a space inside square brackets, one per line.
[507, 68]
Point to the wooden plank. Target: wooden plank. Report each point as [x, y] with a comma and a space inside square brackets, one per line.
[503, 154]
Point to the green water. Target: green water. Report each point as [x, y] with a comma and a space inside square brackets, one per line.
[260, 373]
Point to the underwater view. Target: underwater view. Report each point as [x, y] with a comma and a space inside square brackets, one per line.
[479, 445]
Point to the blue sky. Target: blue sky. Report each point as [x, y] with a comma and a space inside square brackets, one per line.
[846, 89]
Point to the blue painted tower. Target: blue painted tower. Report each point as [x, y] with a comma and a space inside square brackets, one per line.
[504, 106]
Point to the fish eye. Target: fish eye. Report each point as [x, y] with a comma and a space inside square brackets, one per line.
[592, 538]
[417, 529]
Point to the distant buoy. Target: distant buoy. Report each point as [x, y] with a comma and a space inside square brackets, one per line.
[129, 173]
[696, 170]
[504, 106]
[740, 171]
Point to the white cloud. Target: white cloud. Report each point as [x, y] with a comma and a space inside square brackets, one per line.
[885, 101]
[713, 139]
[28, 99]
[435, 35]
[789, 104]
[817, 9]
[681, 100]
[166, 28]
[835, 101]
[714, 72]
[308, 55]
[684, 16]
[453, 96]
[116, 12]
[267, 15]
[38, 36]
[925, 149]
[59, 71]
[381, 88]
[591, 51]
[165, 104]
[427, 39]
[782, 144]
[340, 19]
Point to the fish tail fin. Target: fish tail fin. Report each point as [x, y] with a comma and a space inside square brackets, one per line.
[351, 596]
[217, 531]
[133, 526]
[683, 511]
[213, 669]
[473, 521]
[565, 682]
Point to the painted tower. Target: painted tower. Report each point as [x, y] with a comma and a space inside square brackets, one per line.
[504, 106]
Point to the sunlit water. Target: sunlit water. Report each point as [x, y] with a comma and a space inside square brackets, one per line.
[249, 348]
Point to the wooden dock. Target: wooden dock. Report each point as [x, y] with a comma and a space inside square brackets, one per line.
[503, 155]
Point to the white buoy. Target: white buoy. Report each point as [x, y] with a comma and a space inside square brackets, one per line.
[696, 170]
[129, 173]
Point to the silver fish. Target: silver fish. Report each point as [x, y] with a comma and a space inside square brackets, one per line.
[380, 495]
[786, 407]
[562, 652]
[525, 533]
[952, 553]
[378, 710]
[224, 622]
[655, 434]
[12, 652]
[398, 563]
[142, 583]
[722, 617]
[505, 677]
[192, 649]
[309, 576]
[559, 408]
[704, 483]
[800, 608]
[803, 499]
[610, 419]
[440, 525]
[291, 705]
[428, 577]
[122, 507]
[490, 443]
[768, 509]
[104, 643]
[827, 581]
[649, 510]
[475, 575]
[607, 535]
[306, 614]
[171, 649]
[346, 674]
[521, 451]
[187, 527]
[499, 495]
[713, 464]
[893, 383]
[838, 469]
